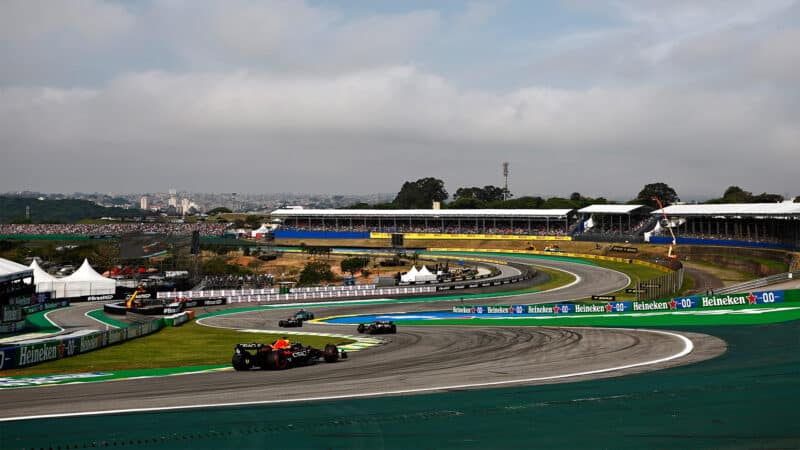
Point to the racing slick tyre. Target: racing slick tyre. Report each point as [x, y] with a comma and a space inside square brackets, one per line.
[242, 362]
[277, 361]
[281, 323]
[299, 322]
[331, 353]
[360, 328]
[393, 329]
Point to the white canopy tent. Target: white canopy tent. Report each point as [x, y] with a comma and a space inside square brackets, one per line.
[46, 282]
[261, 231]
[409, 276]
[417, 276]
[86, 281]
[425, 275]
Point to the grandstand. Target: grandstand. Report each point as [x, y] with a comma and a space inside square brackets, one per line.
[460, 221]
[614, 223]
[767, 225]
[763, 225]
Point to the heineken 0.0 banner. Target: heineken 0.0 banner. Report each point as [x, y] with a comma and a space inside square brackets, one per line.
[762, 298]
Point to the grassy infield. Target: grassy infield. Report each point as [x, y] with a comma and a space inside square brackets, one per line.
[196, 345]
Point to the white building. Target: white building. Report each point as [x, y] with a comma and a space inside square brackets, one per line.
[144, 202]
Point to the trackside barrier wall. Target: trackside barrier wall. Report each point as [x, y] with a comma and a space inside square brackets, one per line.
[754, 299]
[24, 355]
[175, 320]
[266, 291]
[381, 292]
[334, 294]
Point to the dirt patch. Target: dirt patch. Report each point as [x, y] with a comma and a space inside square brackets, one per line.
[714, 275]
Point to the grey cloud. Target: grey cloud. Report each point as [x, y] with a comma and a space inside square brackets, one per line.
[399, 120]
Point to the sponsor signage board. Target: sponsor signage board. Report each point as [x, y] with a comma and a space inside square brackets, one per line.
[634, 290]
[7, 357]
[619, 248]
[678, 303]
[609, 298]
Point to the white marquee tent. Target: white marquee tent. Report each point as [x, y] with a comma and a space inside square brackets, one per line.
[86, 281]
[417, 276]
[46, 282]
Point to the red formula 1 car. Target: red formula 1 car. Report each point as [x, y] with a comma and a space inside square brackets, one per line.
[264, 356]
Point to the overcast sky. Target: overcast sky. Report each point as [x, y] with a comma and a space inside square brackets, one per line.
[599, 97]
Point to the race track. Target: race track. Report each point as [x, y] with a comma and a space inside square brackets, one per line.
[415, 360]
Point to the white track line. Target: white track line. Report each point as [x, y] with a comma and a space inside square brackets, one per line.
[107, 325]
[688, 347]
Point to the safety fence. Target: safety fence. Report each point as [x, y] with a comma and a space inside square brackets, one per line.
[763, 298]
[265, 291]
[23, 355]
[294, 296]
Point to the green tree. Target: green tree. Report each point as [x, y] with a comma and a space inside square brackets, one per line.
[526, 202]
[353, 264]
[420, 194]
[735, 194]
[466, 203]
[662, 191]
[315, 272]
[219, 210]
[485, 194]
[254, 221]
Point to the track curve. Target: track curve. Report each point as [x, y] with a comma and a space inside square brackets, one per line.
[416, 359]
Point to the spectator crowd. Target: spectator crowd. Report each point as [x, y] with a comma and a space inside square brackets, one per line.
[116, 229]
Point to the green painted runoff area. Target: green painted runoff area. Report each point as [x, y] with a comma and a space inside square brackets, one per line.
[745, 398]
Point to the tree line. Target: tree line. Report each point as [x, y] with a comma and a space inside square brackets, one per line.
[33, 210]
[421, 194]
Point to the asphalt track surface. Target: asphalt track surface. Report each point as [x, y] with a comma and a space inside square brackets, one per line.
[415, 360]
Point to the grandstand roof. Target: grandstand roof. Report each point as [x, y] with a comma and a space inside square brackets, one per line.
[438, 213]
[9, 270]
[784, 209]
[613, 209]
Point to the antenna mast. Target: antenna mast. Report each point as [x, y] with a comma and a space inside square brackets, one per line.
[505, 176]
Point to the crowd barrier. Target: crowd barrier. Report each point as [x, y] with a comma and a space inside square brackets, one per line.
[24, 355]
[266, 291]
[377, 292]
[761, 298]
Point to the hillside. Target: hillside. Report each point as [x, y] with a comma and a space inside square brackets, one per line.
[12, 209]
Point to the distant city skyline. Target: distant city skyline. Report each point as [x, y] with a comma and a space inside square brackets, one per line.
[356, 97]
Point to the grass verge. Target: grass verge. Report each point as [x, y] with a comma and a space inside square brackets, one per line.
[634, 271]
[188, 345]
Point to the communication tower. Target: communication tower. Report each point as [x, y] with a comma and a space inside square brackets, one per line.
[505, 176]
